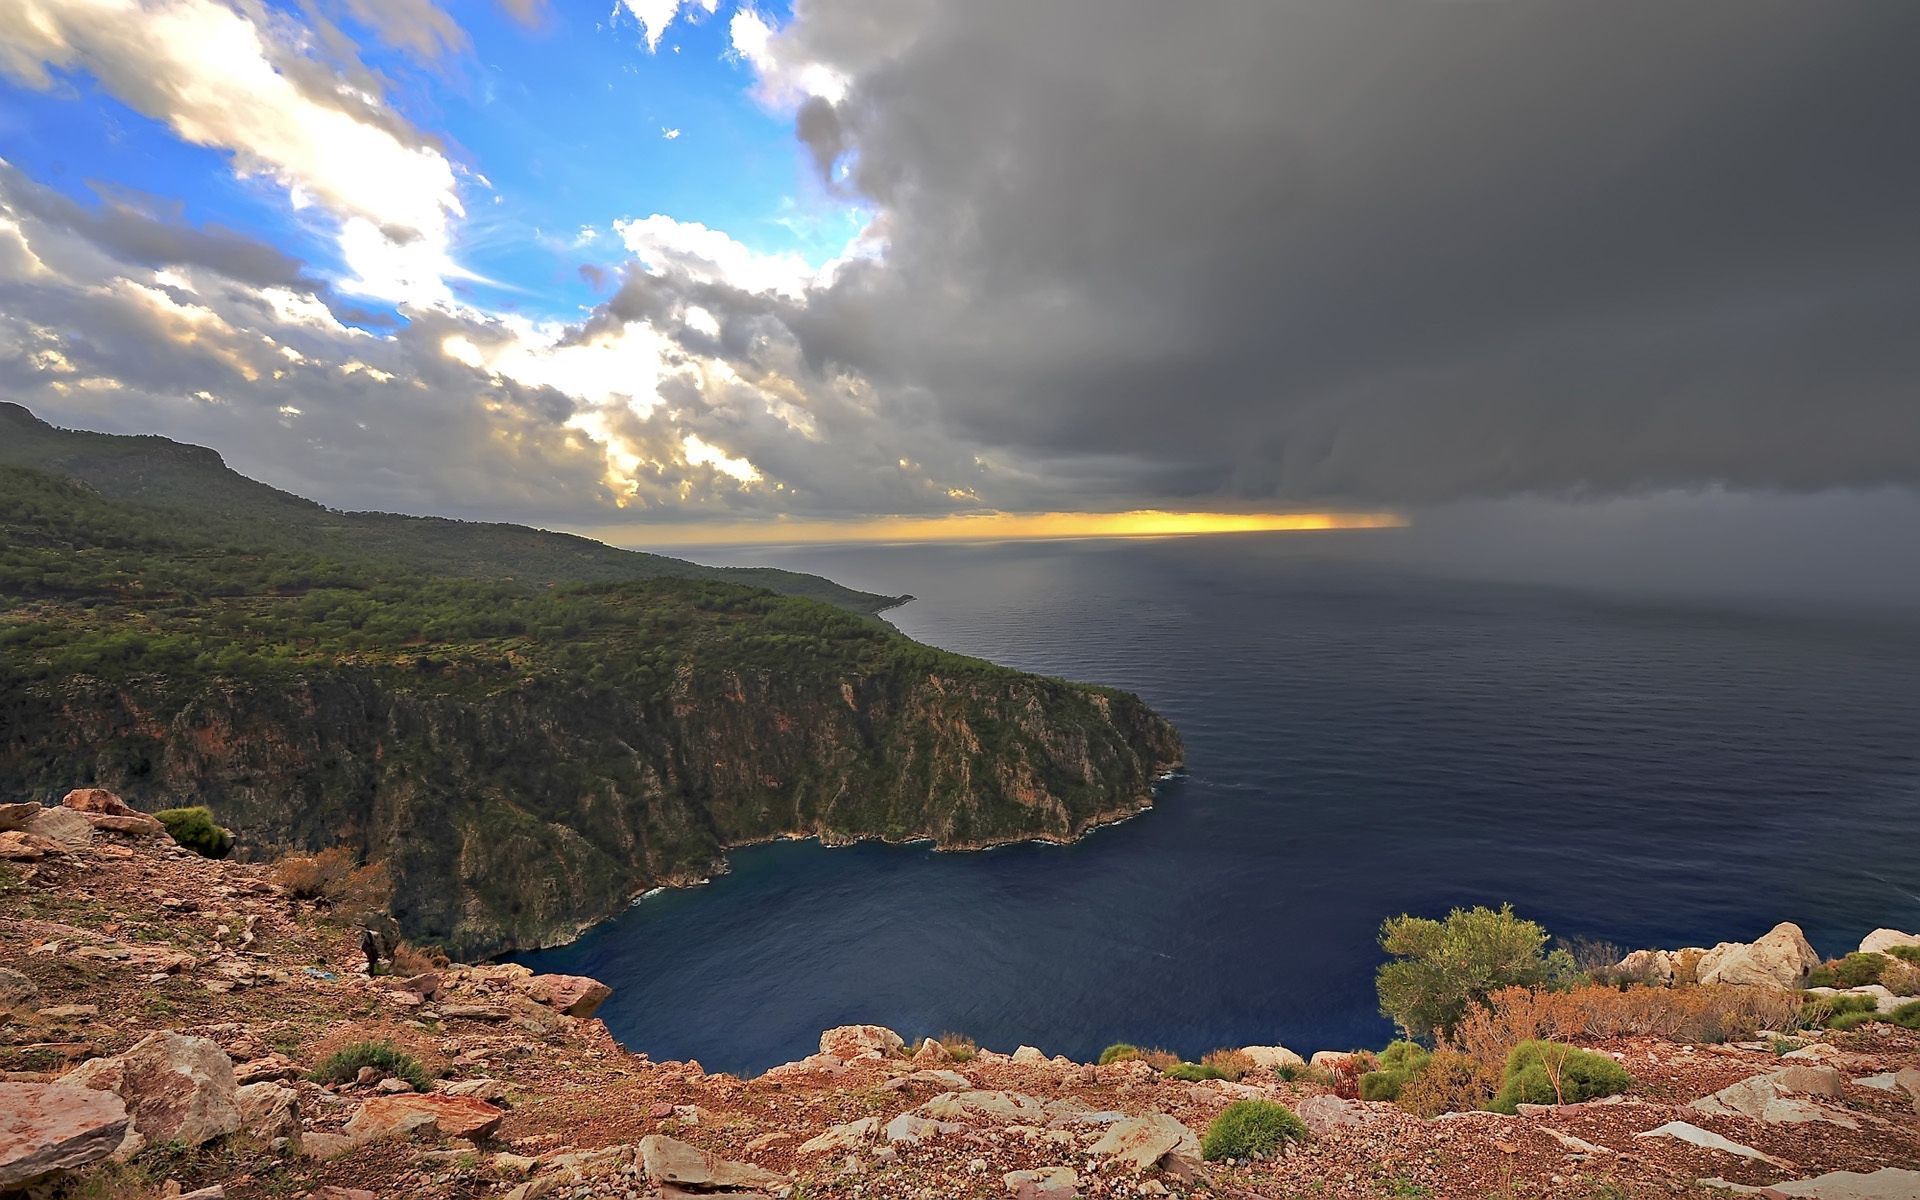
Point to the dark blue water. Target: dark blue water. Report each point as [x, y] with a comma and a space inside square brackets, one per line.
[1361, 741]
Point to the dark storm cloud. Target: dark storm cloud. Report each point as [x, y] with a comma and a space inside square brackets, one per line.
[1385, 251]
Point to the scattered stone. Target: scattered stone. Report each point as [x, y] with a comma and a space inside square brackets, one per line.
[400, 1116]
[270, 1110]
[861, 1041]
[1888, 1183]
[1767, 1097]
[490, 1090]
[1139, 1143]
[473, 1012]
[50, 1127]
[1780, 958]
[16, 990]
[176, 1089]
[392, 1087]
[1324, 1115]
[911, 1127]
[850, 1136]
[1002, 1107]
[1706, 1139]
[1047, 1183]
[71, 1012]
[669, 1161]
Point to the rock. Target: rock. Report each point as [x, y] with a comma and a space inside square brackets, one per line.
[18, 845]
[1882, 940]
[270, 1110]
[574, 995]
[1273, 1057]
[932, 1051]
[1653, 967]
[473, 1012]
[49, 1127]
[99, 800]
[1029, 1056]
[62, 825]
[425, 985]
[176, 1089]
[16, 816]
[1780, 958]
[911, 1127]
[669, 1161]
[336, 1192]
[1004, 1108]
[490, 1090]
[1324, 1115]
[1047, 1183]
[1330, 1060]
[16, 990]
[853, 1135]
[400, 1116]
[1768, 1097]
[860, 1041]
[71, 1012]
[1888, 1183]
[392, 1087]
[1141, 1142]
[1693, 1135]
[325, 1146]
[132, 825]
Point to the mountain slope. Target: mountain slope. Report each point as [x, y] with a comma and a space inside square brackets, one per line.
[161, 473]
[524, 760]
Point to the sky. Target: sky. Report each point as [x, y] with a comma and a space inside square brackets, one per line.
[684, 271]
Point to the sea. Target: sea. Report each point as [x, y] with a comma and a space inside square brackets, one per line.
[1364, 738]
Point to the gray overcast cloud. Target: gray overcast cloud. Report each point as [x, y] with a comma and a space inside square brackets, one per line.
[1385, 251]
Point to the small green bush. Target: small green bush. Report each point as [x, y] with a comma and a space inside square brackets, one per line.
[1855, 970]
[1399, 1063]
[1119, 1052]
[343, 1065]
[1249, 1127]
[1907, 1016]
[1193, 1072]
[1583, 1075]
[196, 829]
[1851, 1020]
[1905, 953]
[1818, 1011]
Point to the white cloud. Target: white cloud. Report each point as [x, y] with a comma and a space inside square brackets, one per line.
[656, 15]
[669, 134]
[216, 77]
[709, 255]
[786, 75]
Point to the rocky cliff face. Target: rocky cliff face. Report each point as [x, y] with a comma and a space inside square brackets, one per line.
[514, 817]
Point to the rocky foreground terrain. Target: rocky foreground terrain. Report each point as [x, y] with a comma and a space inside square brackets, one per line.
[164, 1013]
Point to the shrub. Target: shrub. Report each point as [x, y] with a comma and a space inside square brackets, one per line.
[1249, 1127]
[409, 959]
[336, 879]
[1542, 1072]
[1119, 1052]
[1851, 1020]
[1449, 1082]
[1900, 977]
[1855, 970]
[1232, 1064]
[1399, 1063]
[1907, 1016]
[1193, 1072]
[196, 829]
[959, 1046]
[344, 1064]
[1905, 953]
[1445, 968]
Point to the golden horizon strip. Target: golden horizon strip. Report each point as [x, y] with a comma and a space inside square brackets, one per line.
[997, 526]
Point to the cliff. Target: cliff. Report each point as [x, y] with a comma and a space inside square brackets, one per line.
[516, 817]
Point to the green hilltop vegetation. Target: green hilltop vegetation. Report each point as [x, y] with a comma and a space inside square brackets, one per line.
[523, 734]
[160, 474]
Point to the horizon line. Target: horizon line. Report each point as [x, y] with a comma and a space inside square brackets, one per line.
[986, 527]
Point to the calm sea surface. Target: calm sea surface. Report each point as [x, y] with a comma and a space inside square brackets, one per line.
[1362, 740]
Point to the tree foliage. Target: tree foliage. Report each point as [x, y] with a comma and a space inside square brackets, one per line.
[1443, 968]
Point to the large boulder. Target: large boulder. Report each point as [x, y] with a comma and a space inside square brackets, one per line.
[574, 995]
[861, 1041]
[1273, 1057]
[16, 816]
[1781, 958]
[670, 1162]
[1000, 1108]
[50, 1127]
[176, 1089]
[1882, 940]
[269, 1110]
[62, 825]
[1777, 1097]
[1155, 1140]
[99, 800]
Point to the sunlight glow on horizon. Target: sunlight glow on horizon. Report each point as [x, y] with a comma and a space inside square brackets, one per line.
[983, 527]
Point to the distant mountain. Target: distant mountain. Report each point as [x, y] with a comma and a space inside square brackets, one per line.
[158, 472]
